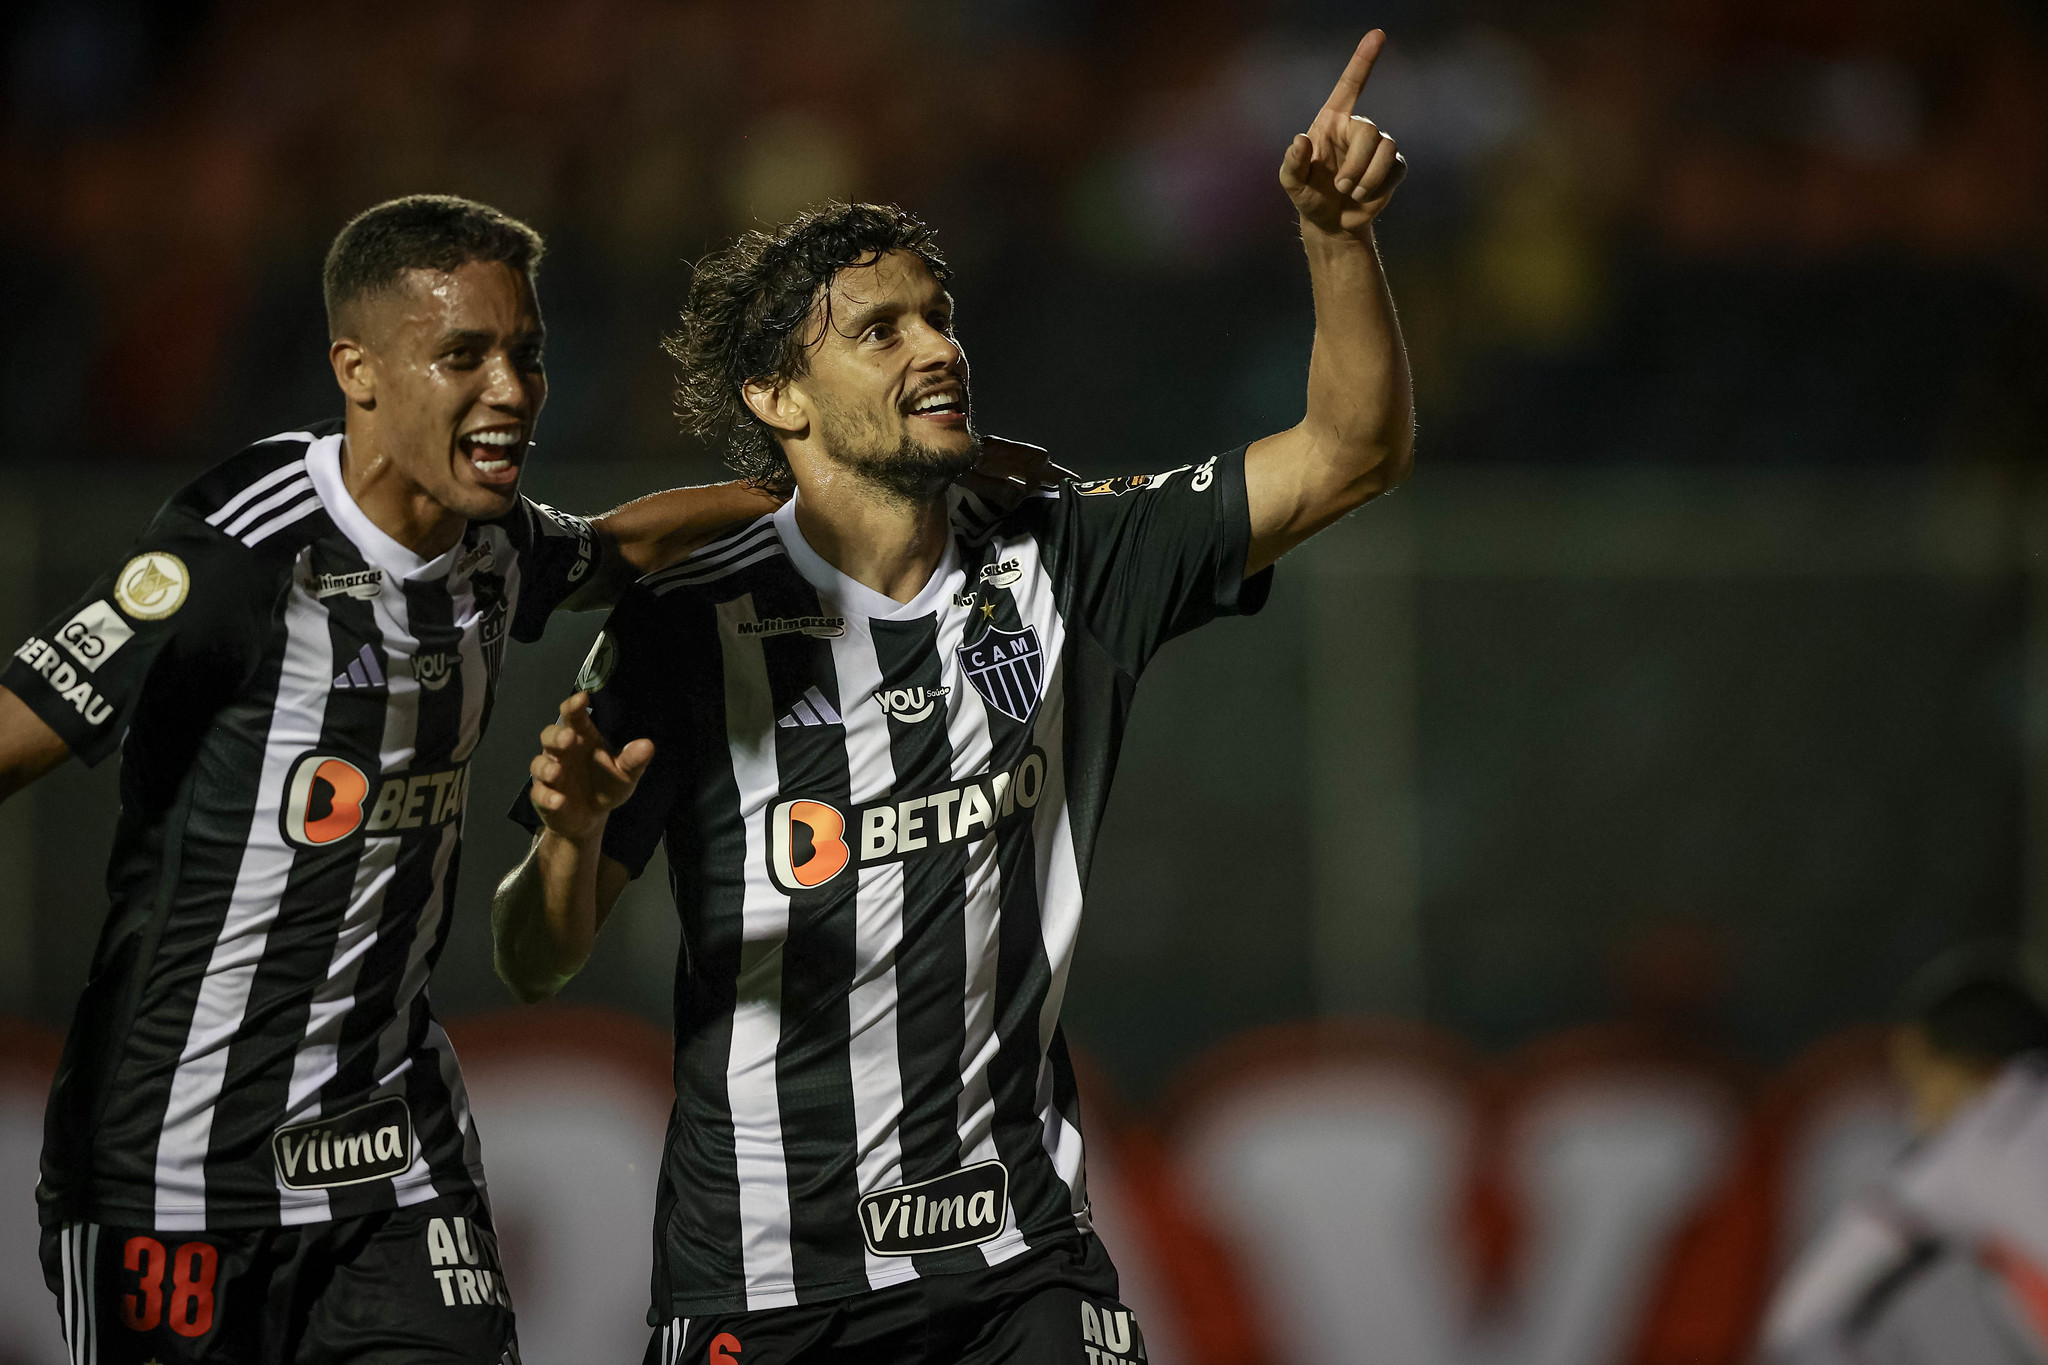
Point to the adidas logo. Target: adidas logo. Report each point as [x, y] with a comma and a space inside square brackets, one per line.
[362, 672]
[810, 709]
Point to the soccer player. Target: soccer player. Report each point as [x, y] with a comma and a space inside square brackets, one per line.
[258, 1147]
[1944, 1260]
[876, 731]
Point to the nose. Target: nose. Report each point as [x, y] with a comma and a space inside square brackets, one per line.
[935, 350]
[509, 390]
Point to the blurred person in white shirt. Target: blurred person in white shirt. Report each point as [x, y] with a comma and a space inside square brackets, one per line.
[1943, 1261]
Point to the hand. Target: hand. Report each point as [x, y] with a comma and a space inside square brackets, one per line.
[1343, 171]
[577, 781]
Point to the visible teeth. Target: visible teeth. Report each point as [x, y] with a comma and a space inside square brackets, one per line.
[495, 438]
[492, 466]
[937, 400]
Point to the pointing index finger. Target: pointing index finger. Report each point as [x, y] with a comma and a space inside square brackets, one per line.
[1345, 97]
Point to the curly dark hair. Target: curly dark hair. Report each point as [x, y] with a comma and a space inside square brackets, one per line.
[420, 231]
[745, 319]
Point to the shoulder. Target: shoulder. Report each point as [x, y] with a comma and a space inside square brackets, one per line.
[977, 519]
[259, 499]
[712, 566]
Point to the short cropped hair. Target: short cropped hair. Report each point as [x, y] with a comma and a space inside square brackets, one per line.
[745, 320]
[420, 232]
[1976, 1008]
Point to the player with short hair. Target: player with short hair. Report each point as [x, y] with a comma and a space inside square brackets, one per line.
[258, 1145]
[1943, 1259]
[876, 731]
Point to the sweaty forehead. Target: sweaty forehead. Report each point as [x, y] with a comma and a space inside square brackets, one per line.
[480, 296]
[896, 277]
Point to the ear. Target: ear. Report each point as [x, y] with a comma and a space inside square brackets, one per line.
[354, 371]
[780, 406]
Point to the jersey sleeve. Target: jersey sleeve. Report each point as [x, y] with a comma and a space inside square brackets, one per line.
[1146, 557]
[178, 615]
[559, 552]
[631, 697]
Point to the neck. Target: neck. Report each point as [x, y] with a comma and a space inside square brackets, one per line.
[879, 541]
[394, 504]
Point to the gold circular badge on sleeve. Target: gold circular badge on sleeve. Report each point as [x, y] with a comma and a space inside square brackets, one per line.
[152, 585]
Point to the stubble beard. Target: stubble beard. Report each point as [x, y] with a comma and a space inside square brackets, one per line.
[907, 470]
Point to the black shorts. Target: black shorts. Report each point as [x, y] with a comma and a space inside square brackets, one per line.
[399, 1288]
[1055, 1305]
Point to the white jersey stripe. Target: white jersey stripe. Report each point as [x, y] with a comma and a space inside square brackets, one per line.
[873, 1056]
[297, 488]
[281, 520]
[303, 687]
[750, 1076]
[256, 488]
[669, 585]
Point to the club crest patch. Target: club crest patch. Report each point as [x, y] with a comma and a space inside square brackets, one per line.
[1008, 668]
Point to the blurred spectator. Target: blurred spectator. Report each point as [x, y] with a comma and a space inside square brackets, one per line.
[1945, 1261]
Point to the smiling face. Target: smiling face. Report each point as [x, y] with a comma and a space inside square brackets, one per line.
[886, 391]
[447, 367]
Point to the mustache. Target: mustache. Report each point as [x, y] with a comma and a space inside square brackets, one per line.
[913, 399]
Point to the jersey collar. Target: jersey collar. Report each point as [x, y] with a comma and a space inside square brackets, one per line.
[323, 462]
[858, 597]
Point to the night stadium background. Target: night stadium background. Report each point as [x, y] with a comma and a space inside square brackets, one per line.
[1575, 808]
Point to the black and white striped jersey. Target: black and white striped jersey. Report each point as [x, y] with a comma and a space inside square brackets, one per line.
[879, 818]
[300, 696]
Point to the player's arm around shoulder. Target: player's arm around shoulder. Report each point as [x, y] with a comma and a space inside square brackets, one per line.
[652, 532]
[548, 909]
[1356, 438]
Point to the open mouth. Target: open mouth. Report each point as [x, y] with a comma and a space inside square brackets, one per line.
[495, 452]
[946, 406]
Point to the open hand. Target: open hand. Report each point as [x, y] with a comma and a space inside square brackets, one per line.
[1343, 171]
[577, 781]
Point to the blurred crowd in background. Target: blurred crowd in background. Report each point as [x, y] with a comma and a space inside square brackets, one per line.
[1716, 231]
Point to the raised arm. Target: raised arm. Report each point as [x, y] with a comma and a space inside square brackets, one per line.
[547, 911]
[1356, 439]
[28, 747]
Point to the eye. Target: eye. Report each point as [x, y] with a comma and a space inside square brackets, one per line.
[942, 321]
[878, 332]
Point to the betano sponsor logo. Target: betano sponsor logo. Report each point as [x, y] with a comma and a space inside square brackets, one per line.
[963, 1208]
[42, 656]
[370, 1142]
[808, 840]
[327, 798]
